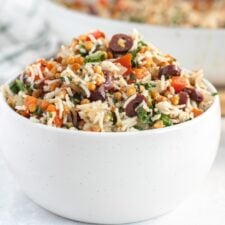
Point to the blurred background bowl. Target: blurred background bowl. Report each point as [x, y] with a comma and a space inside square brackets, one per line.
[195, 48]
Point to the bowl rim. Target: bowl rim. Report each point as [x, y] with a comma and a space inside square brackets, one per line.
[144, 25]
[175, 127]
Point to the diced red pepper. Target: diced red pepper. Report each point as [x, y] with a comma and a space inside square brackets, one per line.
[179, 83]
[197, 112]
[125, 61]
[97, 34]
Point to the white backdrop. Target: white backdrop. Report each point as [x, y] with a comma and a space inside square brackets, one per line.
[24, 35]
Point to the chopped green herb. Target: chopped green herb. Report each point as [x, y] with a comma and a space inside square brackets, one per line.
[138, 127]
[17, 86]
[75, 99]
[50, 114]
[113, 118]
[142, 43]
[147, 86]
[142, 115]
[35, 86]
[121, 109]
[149, 98]
[82, 50]
[166, 120]
[132, 77]
[96, 57]
[39, 111]
[215, 93]
[135, 51]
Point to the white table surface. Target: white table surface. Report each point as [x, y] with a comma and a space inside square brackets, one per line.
[204, 207]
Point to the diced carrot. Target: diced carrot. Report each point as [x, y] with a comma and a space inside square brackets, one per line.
[24, 113]
[51, 108]
[139, 73]
[57, 121]
[197, 112]
[44, 105]
[179, 83]
[97, 34]
[125, 61]
[30, 100]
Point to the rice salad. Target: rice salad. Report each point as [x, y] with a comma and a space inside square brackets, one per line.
[184, 13]
[117, 85]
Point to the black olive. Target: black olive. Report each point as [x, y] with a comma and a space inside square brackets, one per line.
[194, 94]
[120, 43]
[170, 70]
[183, 98]
[132, 105]
[99, 94]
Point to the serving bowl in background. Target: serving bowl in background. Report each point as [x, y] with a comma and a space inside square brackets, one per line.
[109, 178]
[195, 47]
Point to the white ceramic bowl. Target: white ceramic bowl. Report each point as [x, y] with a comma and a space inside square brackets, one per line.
[195, 48]
[109, 178]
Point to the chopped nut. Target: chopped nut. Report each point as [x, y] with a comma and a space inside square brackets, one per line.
[79, 60]
[158, 124]
[84, 101]
[131, 91]
[99, 81]
[160, 98]
[71, 60]
[117, 96]
[91, 86]
[75, 66]
[123, 89]
[154, 94]
[175, 100]
[32, 107]
[149, 63]
[98, 69]
[88, 45]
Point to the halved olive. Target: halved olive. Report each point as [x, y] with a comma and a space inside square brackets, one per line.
[130, 108]
[99, 94]
[120, 43]
[194, 94]
[183, 98]
[170, 70]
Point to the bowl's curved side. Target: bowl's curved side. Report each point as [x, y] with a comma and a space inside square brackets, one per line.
[195, 48]
[110, 178]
